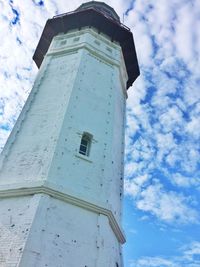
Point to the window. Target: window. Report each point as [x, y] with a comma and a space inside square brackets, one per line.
[109, 49]
[96, 42]
[63, 42]
[76, 39]
[85, 144]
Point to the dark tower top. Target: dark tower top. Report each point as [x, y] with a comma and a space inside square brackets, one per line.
[101, 7]
[100, 16]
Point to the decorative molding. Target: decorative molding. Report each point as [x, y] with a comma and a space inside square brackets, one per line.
[43, 189]
[90, 48]
[91, 30]
[86, 158]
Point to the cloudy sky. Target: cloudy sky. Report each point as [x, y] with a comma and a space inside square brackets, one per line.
[162, 170]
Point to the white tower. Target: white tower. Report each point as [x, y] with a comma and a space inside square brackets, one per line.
[61, 180]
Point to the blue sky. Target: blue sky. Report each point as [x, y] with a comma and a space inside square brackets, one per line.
[162, 170]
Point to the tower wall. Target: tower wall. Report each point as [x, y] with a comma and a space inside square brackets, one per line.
[80, 87]
[97, 106]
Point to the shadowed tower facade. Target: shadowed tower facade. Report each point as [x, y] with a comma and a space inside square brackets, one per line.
[61, 179]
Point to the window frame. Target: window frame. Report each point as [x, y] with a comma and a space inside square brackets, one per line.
[85, 144]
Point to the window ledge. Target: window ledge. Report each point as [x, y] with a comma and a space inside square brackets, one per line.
[83, 157]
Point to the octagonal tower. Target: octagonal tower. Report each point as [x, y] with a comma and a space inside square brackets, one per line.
[62, 167]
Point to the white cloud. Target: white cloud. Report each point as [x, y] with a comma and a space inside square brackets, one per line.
[134, 186]
[185, 181]
[189, 258]
[168, 207]
[184, 25]
[193, 128]
[154, 262]
[191, 251]
[171, 119]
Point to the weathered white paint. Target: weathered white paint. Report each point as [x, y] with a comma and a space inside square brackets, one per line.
[16, 217]
[80, 87]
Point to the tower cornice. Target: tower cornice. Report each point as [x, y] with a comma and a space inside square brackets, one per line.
[9, 191]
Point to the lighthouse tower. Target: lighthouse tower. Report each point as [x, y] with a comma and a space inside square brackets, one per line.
[61, 178]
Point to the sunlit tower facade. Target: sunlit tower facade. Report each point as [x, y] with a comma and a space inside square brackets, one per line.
[61, 179]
